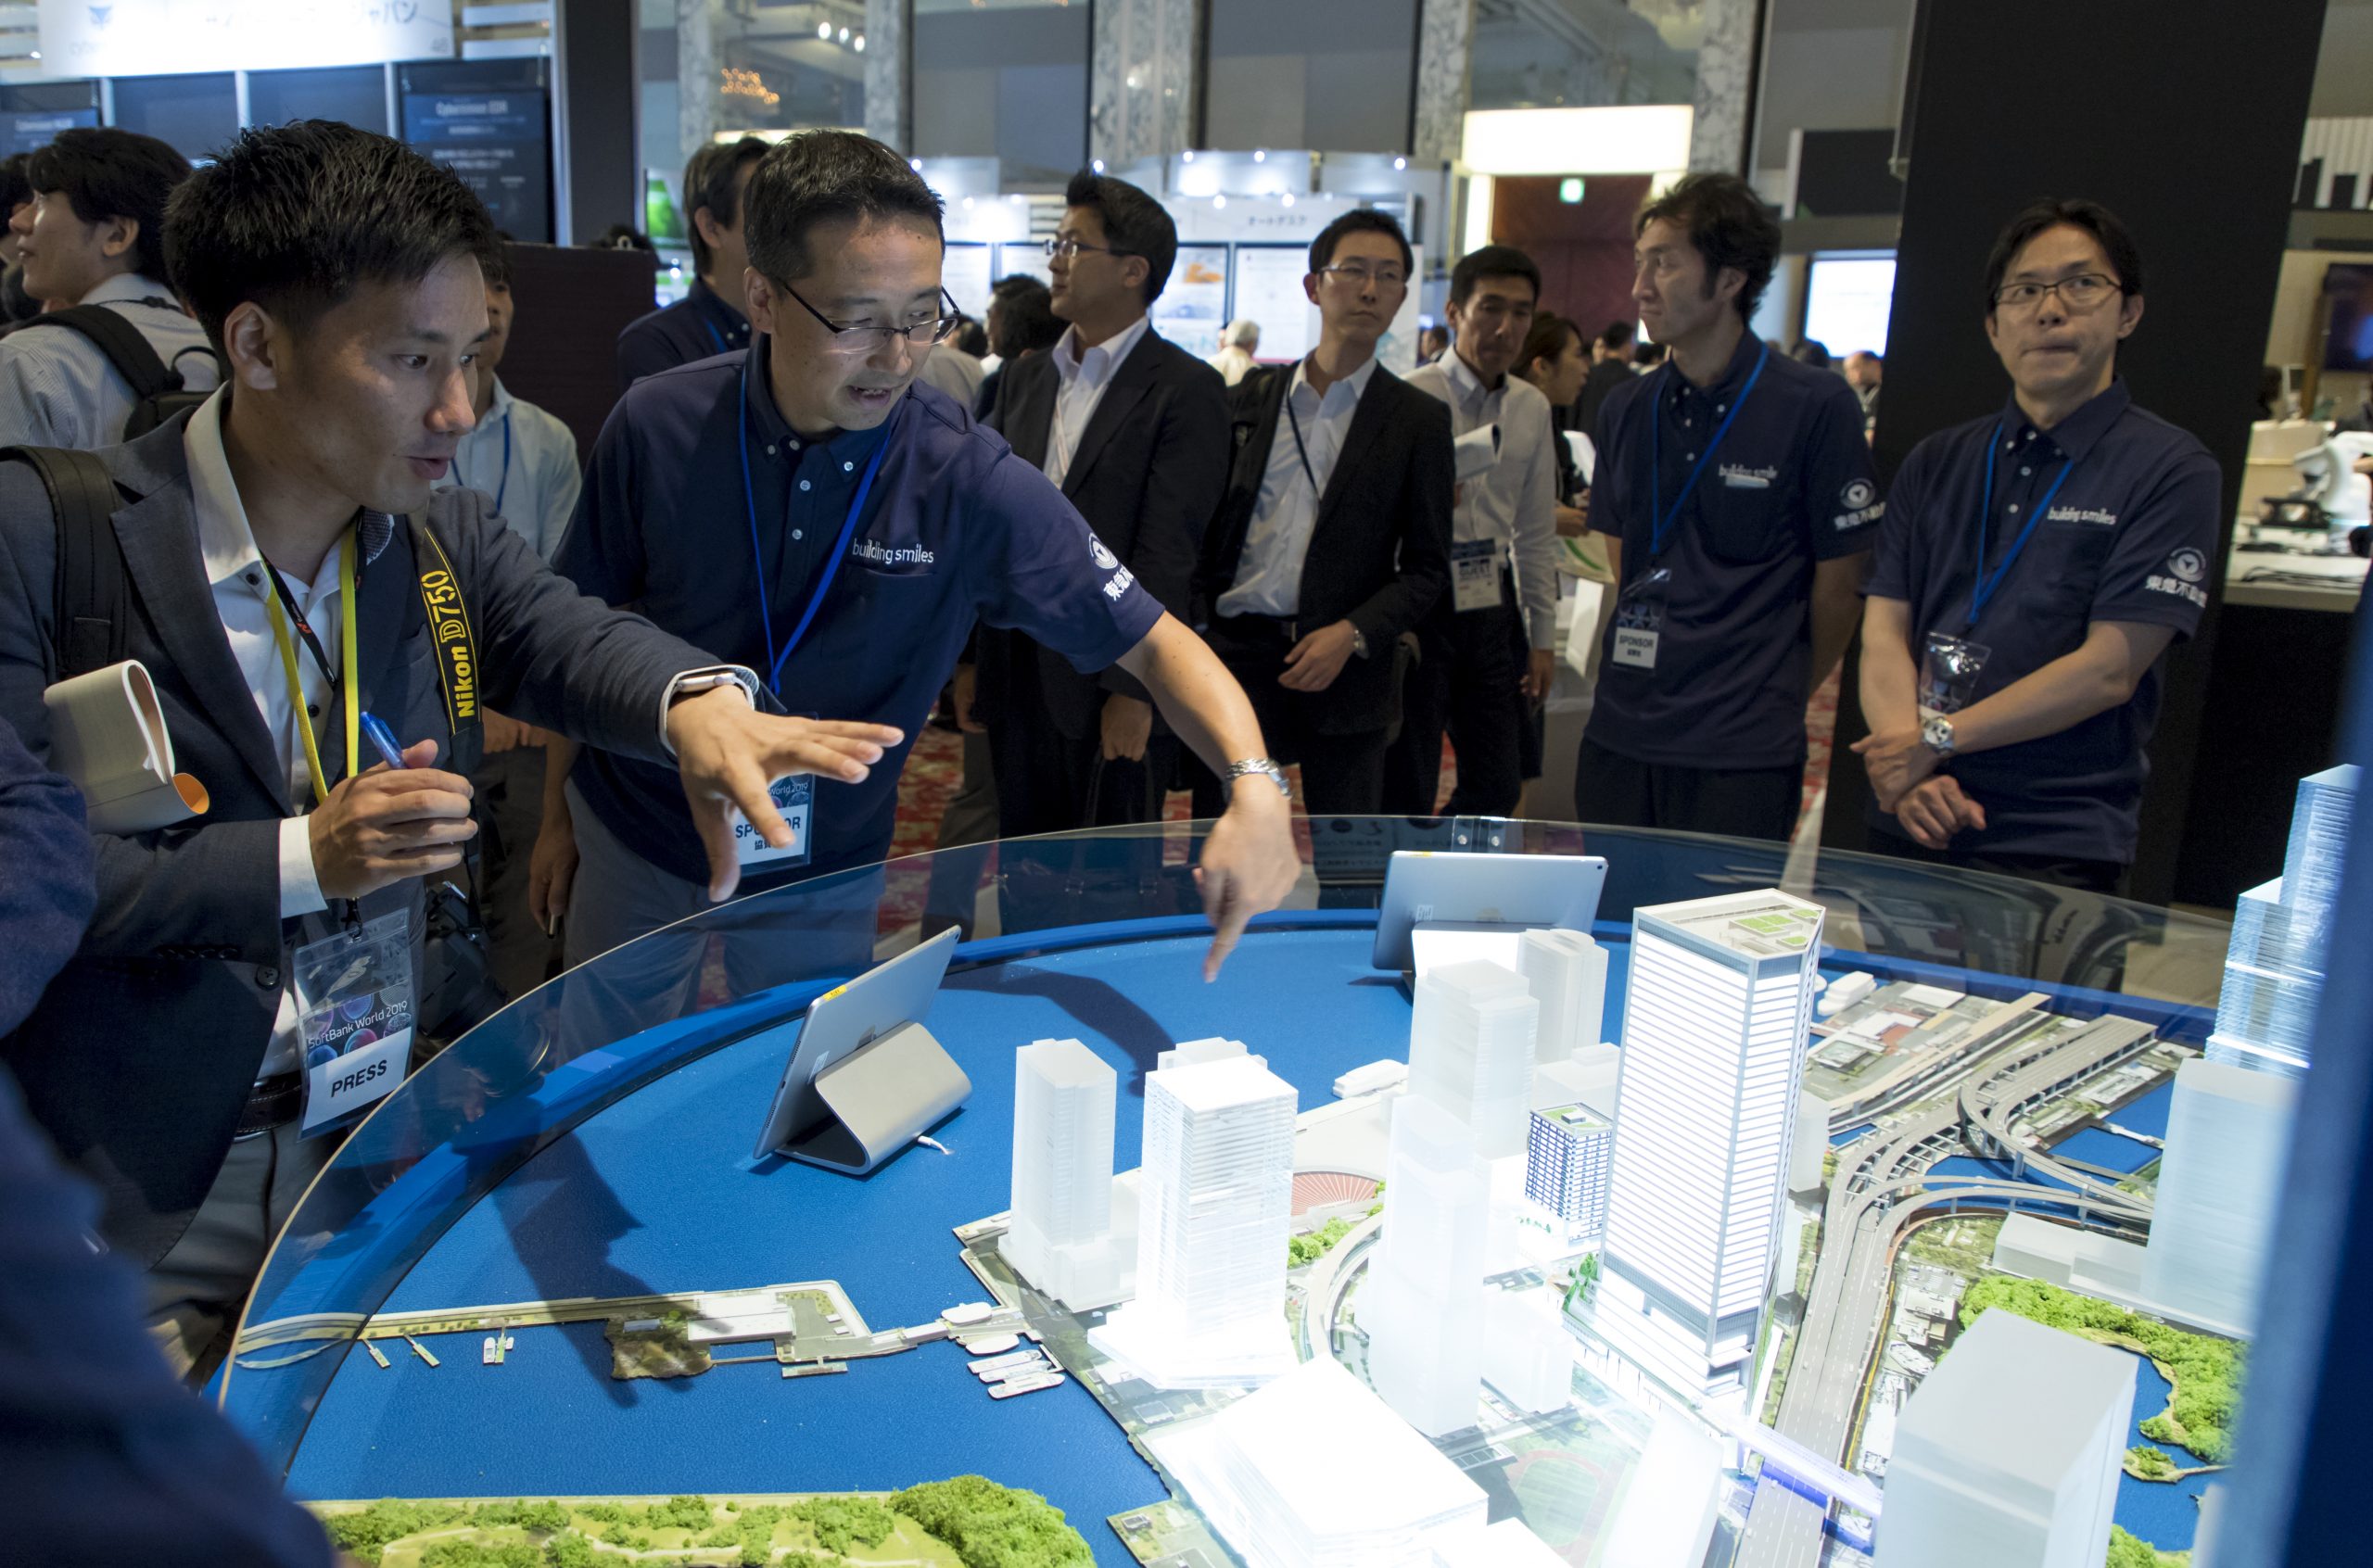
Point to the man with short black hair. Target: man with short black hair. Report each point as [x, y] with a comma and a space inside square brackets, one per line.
[1134, 430]
[1504, 554]
[1022, 320]
[708, 320]
[1333, 538]
[2036, 565]
[1610, 367]
[282, 552]
[811, 508]
[93, 235]
[1737, 492]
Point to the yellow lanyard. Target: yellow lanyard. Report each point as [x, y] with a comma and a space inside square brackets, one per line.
[347, 661]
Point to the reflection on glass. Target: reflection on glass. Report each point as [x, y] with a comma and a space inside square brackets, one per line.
[1586, 54]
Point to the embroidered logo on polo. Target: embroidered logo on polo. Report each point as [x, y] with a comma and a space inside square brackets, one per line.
[875, 553]
[1861, 500]
[1105, 560]
[1119, 583]
[2187, 568]
[1739, 476]
[2093, 514]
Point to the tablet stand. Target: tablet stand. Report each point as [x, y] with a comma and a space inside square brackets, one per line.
[882, 1095]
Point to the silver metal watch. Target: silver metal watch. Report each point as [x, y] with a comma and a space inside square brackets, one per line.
[693, 685]
[1359, 643]
[1936, 734]
[1265, 766]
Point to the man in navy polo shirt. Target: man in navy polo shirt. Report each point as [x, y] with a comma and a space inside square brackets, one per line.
[812, 506]
[708, 320]
[2034, 565]
[1739, 487]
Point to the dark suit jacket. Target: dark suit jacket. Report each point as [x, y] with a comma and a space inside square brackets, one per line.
[139, 1057]
[1379, 555]
[1146, 475]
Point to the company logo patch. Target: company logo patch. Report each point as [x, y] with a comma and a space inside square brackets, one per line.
[2186, 570]
[2189, 564]
[875, 553]
[1105, 560]
[2081, 515]
[1119, 583]
[1740, 477]
[1858, 495]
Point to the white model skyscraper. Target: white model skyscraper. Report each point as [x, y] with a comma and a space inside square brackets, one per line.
[1059, 1237]
[1566, 972]
[1714, 1036]
[2228, 1133]
[1567, 1162]
[2273, 968]
[1215, 1208]
[2007, 1455]
[1471, 1051]
[1422, 1303]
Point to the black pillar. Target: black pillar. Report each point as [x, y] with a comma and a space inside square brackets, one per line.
[2183, 117]
[597, 103]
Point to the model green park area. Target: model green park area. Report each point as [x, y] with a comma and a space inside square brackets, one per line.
[968, 1522]
[2133, 1552]
[2204, 1372]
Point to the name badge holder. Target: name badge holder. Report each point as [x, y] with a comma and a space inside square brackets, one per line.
[1948, 670]
[794, 794]
[1640, 619]
[355, 1016]
[1475, 575]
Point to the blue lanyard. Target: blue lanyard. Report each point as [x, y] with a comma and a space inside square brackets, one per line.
[714, 336]
[775, 661]
[1982, 591]
[1662, 520]
[502, 482]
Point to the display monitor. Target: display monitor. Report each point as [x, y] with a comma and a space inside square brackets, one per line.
[1847, 296]
[1480, 893]
[966, 274]
[843, 1022]
[1192, 311]
[1268, 290]
[2348, 341]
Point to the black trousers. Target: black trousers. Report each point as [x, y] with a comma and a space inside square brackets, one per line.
[1746, 802]
[1466, 684]
[1342, 774]
[1049, 782]
[2104, 877]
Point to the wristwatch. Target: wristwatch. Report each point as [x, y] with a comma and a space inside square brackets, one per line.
[1359, 643]
[1936, 734]
[1263, 765]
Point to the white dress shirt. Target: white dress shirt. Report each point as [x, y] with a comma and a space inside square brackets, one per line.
[56, 387]
[1514, 503]
[1083, 377]
[524, 460]
[1268, 575]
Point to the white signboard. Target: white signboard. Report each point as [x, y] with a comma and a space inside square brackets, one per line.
[1268, 290]
[1193, 307]
[166, 37]
[965, 274]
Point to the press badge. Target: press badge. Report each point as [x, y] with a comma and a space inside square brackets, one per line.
[354, 1013]
[1640, 620]
[1475, 575]
[794, 797]
[1948, 670]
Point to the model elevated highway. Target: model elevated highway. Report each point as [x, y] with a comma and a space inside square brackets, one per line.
[1883, 1187]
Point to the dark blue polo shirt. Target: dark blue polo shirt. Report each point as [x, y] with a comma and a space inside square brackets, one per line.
[2128, 537]
[956, 528]
[695, 327]
[1790, 485]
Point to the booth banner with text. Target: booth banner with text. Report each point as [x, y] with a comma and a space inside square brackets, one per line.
[166, 37]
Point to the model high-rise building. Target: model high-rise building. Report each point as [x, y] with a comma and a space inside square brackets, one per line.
[2228, 1133]
[1471, 1052]
[1215, 1208]
[1422, 1302]
[2007, 1455]
[1566, 1160]
[1060, 1237]
[1313, 1471]
[1566, 972]
[2273, 968]
[1714, 1035]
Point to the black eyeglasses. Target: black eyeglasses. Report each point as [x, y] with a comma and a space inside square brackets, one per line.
[1064, 249]
[2079, 294]
[859, 337]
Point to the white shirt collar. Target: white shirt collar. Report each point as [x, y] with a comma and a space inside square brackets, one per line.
[1097, 364]
[1464, 383]
[126, 285]
[1357, 381]
[225, 539]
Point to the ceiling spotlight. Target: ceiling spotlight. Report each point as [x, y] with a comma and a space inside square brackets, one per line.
[844, 35]
[1219, 202]
[1097, 165]
[967, 204]
[1187, 156]
[1259, 156]
[824, 29]
[916, 164]
[1290, 199]
[1401, 164]
[859, 45]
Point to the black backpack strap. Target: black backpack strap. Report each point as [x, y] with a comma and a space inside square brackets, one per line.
[126, 350]
[92, 585]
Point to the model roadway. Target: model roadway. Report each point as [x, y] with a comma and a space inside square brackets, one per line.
[655, 1196]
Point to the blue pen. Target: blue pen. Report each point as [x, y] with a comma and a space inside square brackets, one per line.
[385, 738]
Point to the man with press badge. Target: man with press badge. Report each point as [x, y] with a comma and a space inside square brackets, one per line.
[1740, 494]
[321, 631]
[2035, 567]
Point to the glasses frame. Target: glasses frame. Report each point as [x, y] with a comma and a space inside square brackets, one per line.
[1065, 249]
[1344, 271]
[942, 326]
[2001, 301]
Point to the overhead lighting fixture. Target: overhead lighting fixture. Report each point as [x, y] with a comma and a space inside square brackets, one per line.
[859, 45]
[1187, 157]
[1219, 202]
[824, 30]
[1569, 190]
[1260, 155]
[967, 204]
[916, 164]
[1097, 165]
[844, 35]
[1401, 164]
[1290, 199]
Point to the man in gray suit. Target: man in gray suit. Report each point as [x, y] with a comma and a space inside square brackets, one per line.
[284, 557]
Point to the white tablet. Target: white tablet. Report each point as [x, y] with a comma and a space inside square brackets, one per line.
[844, 1020]
[1482, 892]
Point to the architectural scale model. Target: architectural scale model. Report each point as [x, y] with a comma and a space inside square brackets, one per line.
[1471, 1051]
[1714, 1031]
[1215, 1208]
[2228, 1134]
[1060, 1237]
[1566, 972]
[1422, 1306]
[1566, 1160]
[2007, 1457]
[2274, 970]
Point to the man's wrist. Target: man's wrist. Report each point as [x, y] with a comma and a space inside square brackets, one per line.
[1253, 777]
[694, 683]
[1360, 647]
